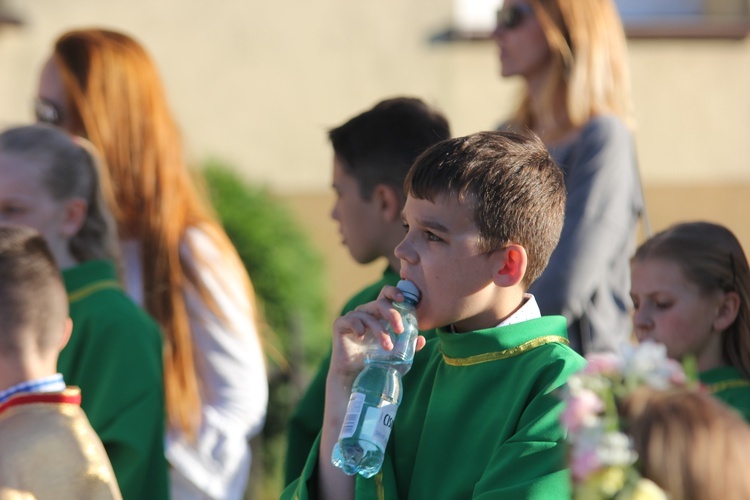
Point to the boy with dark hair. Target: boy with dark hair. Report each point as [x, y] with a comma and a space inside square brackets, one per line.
[479, 416]
[49, 449]
[372, 155]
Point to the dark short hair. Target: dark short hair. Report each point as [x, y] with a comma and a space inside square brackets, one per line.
[379, 145]
[32, 295]
[511, 182]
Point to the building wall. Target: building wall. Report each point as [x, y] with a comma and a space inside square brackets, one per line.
[257, 84]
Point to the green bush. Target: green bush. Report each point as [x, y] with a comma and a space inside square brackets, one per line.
[288, 276]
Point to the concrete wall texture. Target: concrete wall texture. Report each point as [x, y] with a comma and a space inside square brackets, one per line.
[257, 84]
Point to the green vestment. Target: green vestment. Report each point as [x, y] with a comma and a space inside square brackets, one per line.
[479, 419]
[115, 356]
[729, 386]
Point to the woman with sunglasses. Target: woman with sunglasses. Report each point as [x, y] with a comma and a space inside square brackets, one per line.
[572, 56]
[178, 261]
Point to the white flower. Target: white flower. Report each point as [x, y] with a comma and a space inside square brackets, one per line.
[601, 456]
[648, 363]
[615, 449]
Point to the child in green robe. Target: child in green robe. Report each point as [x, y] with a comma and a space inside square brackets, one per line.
[372, 155]
[690, 286]
[479, 416]
[50, 182]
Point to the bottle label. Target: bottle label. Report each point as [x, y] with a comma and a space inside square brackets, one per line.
[383, 418]
[376, 424]
[353, 411]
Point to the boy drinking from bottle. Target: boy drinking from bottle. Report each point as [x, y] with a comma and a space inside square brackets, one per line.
[479, 416]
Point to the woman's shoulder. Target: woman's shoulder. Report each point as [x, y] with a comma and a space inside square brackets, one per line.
[605, 126]
[604, 134]
[208, 254]
[200, 243]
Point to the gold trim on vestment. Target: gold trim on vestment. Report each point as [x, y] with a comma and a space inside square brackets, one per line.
[94, 287]
[506, 353]
[728, 384]
[379, 485]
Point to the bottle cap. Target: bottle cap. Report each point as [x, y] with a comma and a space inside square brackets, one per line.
[409, 290]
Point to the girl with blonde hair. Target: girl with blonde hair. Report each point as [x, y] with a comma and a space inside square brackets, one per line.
[178, 261]
[690, 286]
[572, 57]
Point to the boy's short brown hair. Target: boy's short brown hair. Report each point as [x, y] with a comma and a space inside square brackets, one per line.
[510, 181]
[33, 302]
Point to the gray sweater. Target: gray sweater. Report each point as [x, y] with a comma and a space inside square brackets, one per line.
[587, 279]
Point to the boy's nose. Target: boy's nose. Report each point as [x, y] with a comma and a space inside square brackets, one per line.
[403, 250]
[335, 212]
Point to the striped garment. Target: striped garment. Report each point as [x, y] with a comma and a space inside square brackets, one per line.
[53, 383]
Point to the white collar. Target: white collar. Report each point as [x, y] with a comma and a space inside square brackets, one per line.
[529, 310]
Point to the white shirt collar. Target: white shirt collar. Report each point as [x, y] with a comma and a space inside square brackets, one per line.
[529, 310]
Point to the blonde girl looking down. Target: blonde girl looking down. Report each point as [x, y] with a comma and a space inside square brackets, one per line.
[178, 261]
[690, 290]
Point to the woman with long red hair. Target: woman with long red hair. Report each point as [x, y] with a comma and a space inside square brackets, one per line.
[178, 262]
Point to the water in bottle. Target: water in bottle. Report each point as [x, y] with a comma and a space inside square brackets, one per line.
[376, 395]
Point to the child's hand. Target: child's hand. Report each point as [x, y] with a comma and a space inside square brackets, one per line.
[355, 331]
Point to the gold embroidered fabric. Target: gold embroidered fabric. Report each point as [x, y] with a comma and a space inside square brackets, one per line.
[506, 353]
[728, 384]
[50, 451]
[93, 287]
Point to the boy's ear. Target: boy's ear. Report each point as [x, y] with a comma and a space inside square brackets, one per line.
[728, 310]
[389, 202]
[510, 265]
[75, 212]
[67, 330]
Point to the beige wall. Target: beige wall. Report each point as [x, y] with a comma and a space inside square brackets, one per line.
[258, 83]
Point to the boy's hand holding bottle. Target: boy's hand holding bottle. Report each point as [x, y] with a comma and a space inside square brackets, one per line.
[357, 332]
[377, 390]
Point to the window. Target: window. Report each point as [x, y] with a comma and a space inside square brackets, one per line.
[475, 19]
[685, 18]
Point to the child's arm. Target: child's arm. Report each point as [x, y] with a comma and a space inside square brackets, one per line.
[351, 334]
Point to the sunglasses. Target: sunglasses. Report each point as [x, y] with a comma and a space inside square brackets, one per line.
[512, 16]
[47, 112]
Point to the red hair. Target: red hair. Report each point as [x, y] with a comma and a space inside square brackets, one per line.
[116, 100]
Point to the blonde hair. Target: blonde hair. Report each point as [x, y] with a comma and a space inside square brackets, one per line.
[116, 99]
[589, 74]
[689, 443]
[69, 169]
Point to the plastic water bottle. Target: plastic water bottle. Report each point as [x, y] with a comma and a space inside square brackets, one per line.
[376, 395]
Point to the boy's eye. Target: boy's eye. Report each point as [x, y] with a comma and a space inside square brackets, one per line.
[405, 226]
[12, 210]
[431, 236]
[663, 305]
